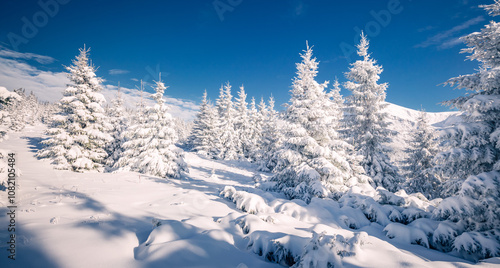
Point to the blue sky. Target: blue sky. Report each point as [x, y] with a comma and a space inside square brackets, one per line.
[199, 45]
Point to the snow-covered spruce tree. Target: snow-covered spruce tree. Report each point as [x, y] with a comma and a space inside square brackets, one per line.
[17, 110]
[475, 143]
[33, 109]
[203, 135]
[252, 141]
[367, 122]
[77, 137]
[272, 135]
[182, 129]
[472, 164]
[242, 123]
[150, 146]
[118, 123]
[419, 163]
[227, 138]
[312, 161]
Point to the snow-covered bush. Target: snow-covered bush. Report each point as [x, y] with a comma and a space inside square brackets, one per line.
[245, 201]
[476, 208]
[406, 234]
[475, 245]
[328, 250]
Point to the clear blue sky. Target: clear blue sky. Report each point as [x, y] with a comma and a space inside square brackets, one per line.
[255, 42]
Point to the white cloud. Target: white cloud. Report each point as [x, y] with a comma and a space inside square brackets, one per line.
[118, 71]
[7, 53]
[49, 86]
[442, 38]
[451, 43]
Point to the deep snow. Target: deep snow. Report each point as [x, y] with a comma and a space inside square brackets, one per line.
[215, 217]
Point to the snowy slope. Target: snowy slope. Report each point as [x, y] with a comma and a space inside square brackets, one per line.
[403, 122]
[68, 219]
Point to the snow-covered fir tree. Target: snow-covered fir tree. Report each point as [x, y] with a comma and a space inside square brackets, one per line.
[271, 139]
[313, 160]
[182, 129]
[150, 146]
[242, 123]
[203, 135]
[367, 122]
[78, 136]
[17, 110]
[471, 166]
[227, 137]
[118, 122]
[475, 143]
[254, 131]
[33, 109]
[419, 163]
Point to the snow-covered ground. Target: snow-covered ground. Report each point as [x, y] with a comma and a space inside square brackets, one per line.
[214, 218]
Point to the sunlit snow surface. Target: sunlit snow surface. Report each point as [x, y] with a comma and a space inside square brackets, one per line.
[214, 218]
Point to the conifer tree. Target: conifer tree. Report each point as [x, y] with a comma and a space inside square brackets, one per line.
[312, 161]
[226, 144]
[242, 123]
[419, 164]
[471, 166]
[118, 123]
[254, 132]
[204, 132]
[367, 121]
[150, 146]
[78, 136]
[272, 135]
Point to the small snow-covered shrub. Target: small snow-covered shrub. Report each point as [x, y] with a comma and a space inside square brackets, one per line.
[386, 197]
[328, 250]
[444, 236]
[411, 214]
[475, 246]
[406, 234]
[245, 201]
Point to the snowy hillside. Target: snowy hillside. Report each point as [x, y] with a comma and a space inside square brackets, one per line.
[403, 122]
[126, 219]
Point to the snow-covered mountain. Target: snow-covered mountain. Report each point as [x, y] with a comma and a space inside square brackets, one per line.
[403, 122]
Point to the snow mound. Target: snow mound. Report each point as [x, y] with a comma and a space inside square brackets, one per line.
[406, 234]
[245, 201]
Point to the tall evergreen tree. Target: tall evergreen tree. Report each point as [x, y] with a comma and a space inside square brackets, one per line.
[227, 137]
[150, 146]
[78, 137]
[254, 132]
[368, 124]
[475, 143]
[472, 164]
[272, 135]
[204, 132]
[419, 164]
[118, 123]
[242, 123]
[312, 161]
